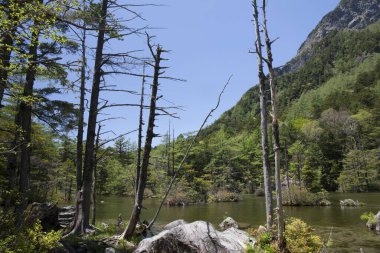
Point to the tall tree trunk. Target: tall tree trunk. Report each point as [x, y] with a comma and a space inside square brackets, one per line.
[139, 140]
[263, 113]
[94, 181]
[173, 155]
[79, 158]
[168, 152]
[12, 167]
[276, 132]
[82, 220]
[147, 148]
[25, 120]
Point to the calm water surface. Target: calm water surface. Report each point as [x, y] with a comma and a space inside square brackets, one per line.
[348, 232]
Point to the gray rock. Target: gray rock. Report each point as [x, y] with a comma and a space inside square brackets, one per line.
[375, 224]
[109, 250]
[174, 224]
[228, 223]
[199, 236]
[261, 229]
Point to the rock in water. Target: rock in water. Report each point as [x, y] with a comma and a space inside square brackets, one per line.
[228, 223]
[199, 236]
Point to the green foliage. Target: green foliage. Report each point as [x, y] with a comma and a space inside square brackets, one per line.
[300, 196]
[300, 238]
[30, 239]
[360, 170]
[369, 218]
[223, 196]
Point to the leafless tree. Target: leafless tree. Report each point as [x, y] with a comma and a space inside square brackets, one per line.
[276, 129]
[263, 113]
[142, 178]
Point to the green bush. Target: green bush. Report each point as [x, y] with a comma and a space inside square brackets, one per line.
[370, 218]
[223, 196]
[296, 196]
[300, 238]
[30, 240]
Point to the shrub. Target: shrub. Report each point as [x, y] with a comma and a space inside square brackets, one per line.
[295, 196]
[178, 198]
[371, 220]
[223, 196]
[300, 239]
[30, 240]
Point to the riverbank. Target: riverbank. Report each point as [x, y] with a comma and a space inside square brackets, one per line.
[349, 233]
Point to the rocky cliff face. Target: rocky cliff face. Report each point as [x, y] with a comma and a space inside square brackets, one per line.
[349, 14]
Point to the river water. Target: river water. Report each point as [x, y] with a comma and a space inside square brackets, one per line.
[342, 225]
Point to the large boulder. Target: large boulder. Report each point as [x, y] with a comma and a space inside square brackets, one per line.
[199, 236]
[174, 224]
[47, 213]
[228, 223]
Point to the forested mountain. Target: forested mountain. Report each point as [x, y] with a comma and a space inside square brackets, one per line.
[329, 100]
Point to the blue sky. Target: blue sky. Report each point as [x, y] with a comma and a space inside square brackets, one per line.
[209, 40]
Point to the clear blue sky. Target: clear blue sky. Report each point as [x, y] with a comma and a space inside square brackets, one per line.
[209, 40]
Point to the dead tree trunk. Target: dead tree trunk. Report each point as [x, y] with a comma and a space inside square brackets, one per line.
[79, 157]
[94, 180]
[141, 124]
[148, 144]
[173, 154]
[25, 120]
[263, 113]
[82, 221]
[276, 131]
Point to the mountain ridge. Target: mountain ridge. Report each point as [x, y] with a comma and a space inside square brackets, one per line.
[349, 14]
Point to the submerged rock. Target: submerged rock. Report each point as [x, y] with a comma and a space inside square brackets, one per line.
[199, 236]
[228, 223]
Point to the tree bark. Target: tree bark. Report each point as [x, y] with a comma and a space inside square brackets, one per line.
[263, 113]
[94, 181]
[147, 148]
[79, 158]
[141, 123]
[25, 120]
[276, 133]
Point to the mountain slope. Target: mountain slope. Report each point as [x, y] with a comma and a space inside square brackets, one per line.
[349, 15]
[338, 41]
[329, 104]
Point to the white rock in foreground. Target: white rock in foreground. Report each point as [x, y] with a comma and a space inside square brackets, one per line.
[199, 236]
